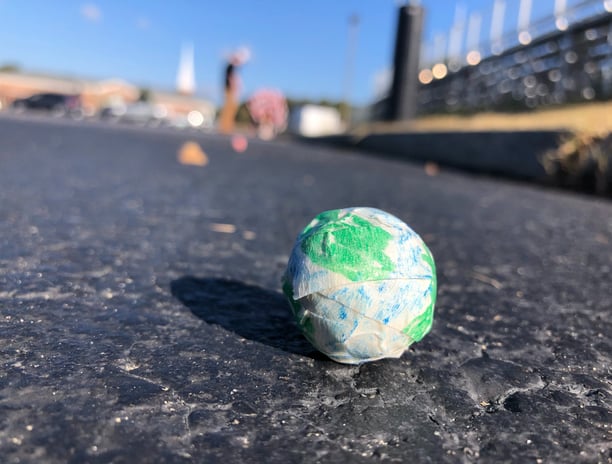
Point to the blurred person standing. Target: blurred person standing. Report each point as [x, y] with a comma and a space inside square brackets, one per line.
[227, 118]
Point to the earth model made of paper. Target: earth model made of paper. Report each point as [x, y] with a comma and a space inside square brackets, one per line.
[361, 285]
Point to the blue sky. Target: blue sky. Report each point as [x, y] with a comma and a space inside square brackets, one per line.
[298, 47]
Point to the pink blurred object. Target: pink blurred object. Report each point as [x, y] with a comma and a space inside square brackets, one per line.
[268, 108]
[239, 143]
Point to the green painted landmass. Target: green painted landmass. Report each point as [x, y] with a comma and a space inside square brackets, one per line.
[356, 250]
[324, 218]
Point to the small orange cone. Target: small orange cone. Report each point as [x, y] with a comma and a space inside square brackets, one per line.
[192, 154]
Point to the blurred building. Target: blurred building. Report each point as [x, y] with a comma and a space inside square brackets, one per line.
[95, 95]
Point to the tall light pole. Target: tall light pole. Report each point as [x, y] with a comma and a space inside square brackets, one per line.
[353, 29]
[402, 104]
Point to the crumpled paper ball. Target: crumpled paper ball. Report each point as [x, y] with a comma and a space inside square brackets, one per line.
[361, 285]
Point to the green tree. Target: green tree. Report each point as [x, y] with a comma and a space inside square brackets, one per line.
[243, 116]
[10, 68]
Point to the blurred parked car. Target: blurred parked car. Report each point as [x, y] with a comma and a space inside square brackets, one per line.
[315, 121]
[194, 119]
[141, 113]
[56, 103]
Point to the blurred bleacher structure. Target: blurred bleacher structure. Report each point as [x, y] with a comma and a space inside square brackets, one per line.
[555, 60]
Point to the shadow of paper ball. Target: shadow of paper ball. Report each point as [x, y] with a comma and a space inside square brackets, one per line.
[252, 312]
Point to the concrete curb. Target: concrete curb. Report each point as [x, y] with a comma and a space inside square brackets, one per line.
[510, 154]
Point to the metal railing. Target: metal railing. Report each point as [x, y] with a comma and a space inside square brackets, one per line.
[557, 67]
[560, 58]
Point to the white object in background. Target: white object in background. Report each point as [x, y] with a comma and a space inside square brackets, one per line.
[314, 121]
[560, 14]
[456, 36]
[497, 25]
[473, 34]
[473, 39]
[185, 79]
[440, 48]
[523, 22]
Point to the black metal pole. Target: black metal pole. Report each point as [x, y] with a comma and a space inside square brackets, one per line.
[403, 96]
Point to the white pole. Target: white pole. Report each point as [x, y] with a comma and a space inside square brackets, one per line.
[560, 7]
[424, 58]
[524, 36]
[353, 29]
[560, 17]
[473, 34]
[460, 14]
[497, 25]
[455, 42]
[185, 78]
[440, 48]
[524, 15]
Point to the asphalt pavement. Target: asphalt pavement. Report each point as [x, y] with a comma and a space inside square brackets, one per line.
[141, 318]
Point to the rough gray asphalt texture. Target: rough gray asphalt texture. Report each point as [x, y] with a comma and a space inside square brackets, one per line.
[131, 330]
